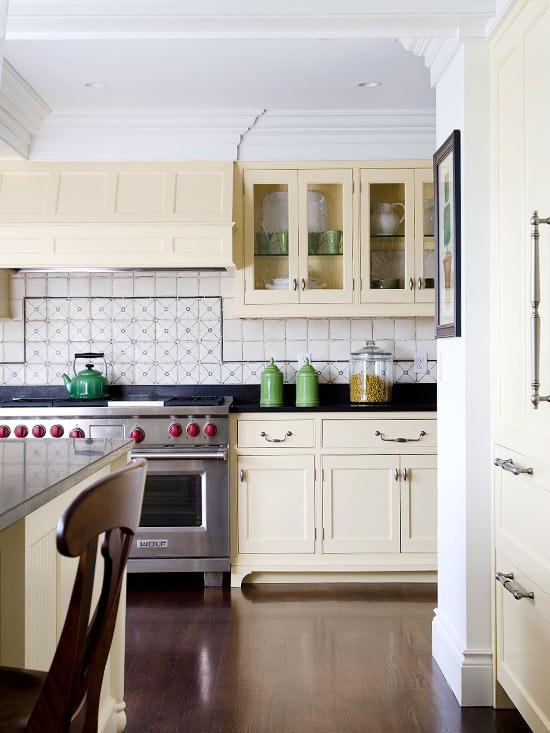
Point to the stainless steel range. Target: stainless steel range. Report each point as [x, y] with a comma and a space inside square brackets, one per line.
[184, 524]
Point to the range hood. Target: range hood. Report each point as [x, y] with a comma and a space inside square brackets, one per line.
[80, 216]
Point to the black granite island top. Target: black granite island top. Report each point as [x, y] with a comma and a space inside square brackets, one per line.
[33, 472]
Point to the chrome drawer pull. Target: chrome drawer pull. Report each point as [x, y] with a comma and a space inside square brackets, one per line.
[241, 475]
[507, 464]
[505, 579]
[400, 440]
[535, 318]
[396, 474]
[406, 474]
[276, 440]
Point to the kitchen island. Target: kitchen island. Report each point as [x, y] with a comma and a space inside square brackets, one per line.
[38, 481]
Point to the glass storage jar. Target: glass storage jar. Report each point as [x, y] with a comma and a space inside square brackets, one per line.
[370, 374]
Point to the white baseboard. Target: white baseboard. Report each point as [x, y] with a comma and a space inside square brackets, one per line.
[469, 672]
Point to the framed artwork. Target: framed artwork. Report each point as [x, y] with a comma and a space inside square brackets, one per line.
[447, 237]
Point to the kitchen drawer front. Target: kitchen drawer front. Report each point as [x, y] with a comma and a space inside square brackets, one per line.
[276, 433]
[523, 646]
[522, 509]
[381, 434]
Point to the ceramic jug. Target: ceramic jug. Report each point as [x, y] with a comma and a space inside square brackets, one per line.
[384, 219]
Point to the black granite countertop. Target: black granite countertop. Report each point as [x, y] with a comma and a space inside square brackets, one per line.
[335, 398]
[410, 397]
[33, 472]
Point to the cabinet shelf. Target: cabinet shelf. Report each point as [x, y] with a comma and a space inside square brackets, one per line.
[317, 254]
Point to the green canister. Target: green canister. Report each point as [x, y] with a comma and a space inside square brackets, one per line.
[307, 386]
[271, 386]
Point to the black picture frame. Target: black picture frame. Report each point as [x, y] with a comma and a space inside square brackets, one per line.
[447, 243]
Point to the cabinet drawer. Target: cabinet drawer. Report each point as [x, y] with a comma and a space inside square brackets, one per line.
[522, 509]
[275, 433]
[523, 646]
[363, 434]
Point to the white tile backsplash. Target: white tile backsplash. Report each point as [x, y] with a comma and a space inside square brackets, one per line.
[168, 328]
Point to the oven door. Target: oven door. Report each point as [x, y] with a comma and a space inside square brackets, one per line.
[185, 504]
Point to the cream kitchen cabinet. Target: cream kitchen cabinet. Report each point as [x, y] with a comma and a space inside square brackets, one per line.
[294, 262]
[116, 214]
[520, 57]
[397, 236]
[380, 503]
[360, 504]
[276, 504]
[310, 503]
[5, 276]
[418, 503]
[298, 237]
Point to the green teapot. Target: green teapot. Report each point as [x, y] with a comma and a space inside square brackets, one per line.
[88, 384]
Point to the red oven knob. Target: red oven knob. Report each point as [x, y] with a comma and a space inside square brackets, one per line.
[193, 430]
[76, 433]
[137, 434]
[4, 431]
[39, 431]
[56, 431]
[175, 429]
[20, 431]
[210, 430]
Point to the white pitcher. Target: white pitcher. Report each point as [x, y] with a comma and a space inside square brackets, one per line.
[384, 220]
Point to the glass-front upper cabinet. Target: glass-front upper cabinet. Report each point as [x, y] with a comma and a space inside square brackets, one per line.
[424, 236]
[387, 236]
[271, 236]
[326, 224]
[298, 236]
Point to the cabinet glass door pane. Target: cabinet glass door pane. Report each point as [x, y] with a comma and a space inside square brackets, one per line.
[271, 236]
[387, 236]
[428, 234]
[325, 253]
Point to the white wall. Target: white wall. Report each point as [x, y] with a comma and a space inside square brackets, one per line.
[462, 626]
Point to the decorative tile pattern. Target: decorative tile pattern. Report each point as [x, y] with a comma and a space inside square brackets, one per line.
[177, 329]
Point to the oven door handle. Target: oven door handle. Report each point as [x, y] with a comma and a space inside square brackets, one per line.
[160, 454]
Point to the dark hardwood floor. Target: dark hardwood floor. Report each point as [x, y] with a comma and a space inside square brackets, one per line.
[285, 658]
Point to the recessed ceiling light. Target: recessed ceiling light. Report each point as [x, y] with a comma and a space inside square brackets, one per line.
[370, 84]
[96, 84]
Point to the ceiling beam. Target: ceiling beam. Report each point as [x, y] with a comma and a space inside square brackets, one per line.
[153, 19]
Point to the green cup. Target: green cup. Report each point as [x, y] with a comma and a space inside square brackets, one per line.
[262, 240]
[313, 241]
[283, 242]
[333, 238]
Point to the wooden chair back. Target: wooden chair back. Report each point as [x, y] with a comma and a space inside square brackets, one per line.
[69, 700]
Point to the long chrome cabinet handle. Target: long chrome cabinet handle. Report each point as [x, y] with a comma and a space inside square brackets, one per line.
[276, 440]
[507, 464]
[505, 579]
[193, 455]
[535, 318]
[400, 440]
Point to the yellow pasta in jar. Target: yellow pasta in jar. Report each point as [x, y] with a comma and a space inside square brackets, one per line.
[369, 388]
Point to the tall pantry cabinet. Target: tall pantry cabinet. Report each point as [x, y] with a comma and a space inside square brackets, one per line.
[520, 59]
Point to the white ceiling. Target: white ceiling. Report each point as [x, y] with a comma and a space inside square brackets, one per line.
[167, 75]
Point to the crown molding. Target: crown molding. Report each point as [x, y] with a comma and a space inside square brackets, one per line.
[438, 52]
[340, 135]
[185, 135]
[22, 112]
[104, 19]
[237, 135]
